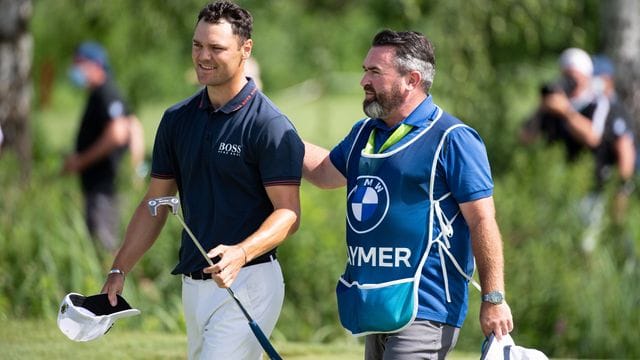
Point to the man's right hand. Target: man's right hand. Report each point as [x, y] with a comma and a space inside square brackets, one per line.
[113, 286]
[557, 103]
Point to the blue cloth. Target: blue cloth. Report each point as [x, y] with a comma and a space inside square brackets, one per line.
[602, 65]
[94, 52]
[222, 160]
[462, 169]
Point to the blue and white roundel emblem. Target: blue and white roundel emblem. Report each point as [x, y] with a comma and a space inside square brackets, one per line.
[367, 204]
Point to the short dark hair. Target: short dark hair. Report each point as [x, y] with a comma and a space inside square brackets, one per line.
[240, 19]
[414, 52]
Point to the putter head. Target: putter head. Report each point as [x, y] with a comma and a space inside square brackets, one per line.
[171, 201]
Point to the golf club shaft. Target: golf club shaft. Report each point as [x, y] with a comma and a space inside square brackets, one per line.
[255, 328]
[204, 253]
[195, 241]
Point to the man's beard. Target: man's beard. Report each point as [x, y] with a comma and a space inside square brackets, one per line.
[382, 104]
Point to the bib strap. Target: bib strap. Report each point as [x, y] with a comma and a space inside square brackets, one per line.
[401, 131]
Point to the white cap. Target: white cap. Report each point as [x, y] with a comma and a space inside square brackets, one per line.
[506, 349]
[576, 59]
[83, 318]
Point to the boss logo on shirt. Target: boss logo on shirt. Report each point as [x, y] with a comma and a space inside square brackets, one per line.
[230, 149]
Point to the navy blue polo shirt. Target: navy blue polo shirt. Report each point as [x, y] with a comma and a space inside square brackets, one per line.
[222, 160]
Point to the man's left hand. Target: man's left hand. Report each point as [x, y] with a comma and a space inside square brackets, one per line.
[495, 319]
[71, 164]
[225, 271]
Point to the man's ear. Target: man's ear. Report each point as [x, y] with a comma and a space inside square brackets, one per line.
[246, 49]
[414, 79]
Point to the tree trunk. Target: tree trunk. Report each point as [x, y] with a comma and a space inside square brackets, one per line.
[621, 41]
[16, 47]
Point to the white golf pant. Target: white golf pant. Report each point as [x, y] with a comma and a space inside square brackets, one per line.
[217, 328]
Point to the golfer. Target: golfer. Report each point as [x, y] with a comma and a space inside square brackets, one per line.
[236, 162]
[419, 208]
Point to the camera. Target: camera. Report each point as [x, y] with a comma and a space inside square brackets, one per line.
[564, 85]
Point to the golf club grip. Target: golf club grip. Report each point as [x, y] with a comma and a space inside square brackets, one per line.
[262, 339]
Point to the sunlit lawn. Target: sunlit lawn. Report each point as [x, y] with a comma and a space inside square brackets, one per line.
[41, 339]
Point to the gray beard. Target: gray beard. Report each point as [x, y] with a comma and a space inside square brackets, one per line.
[374, 110]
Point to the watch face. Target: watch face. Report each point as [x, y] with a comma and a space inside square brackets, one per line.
[494, 297]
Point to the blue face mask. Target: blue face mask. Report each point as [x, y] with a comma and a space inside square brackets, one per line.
[77, 77]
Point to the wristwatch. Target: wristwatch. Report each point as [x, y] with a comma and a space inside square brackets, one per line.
[116, 271]
[494, 297]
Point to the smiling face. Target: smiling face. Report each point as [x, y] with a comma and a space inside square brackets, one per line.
[382, 83]
[218, 55]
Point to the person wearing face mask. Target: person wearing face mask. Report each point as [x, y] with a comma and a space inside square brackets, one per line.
[106, 130]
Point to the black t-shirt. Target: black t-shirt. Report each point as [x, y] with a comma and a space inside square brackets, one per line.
[104, 104]
[555, 129]
[610, 119]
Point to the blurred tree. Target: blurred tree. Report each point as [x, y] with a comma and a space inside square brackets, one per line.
[15, 81]
[621, 40]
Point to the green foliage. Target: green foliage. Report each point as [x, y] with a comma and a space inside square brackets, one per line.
[566, 301]
[47, 252]
[490, 53]
[491, 57]
[312, 259]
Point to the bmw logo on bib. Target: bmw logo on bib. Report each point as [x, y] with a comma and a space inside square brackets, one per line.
[367, 204]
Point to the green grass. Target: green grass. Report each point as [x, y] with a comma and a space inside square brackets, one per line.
[41, 339]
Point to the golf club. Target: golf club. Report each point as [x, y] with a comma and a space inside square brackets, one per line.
[174, 203]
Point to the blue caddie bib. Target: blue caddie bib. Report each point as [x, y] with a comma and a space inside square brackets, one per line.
[393, 220]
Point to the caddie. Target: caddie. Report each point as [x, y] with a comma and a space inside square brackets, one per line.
[419, 209]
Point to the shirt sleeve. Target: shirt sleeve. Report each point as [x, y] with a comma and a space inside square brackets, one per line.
[280, 154]
[467, 168]
[162, 159]
[340, 153]
[618, 123]
[113, 103]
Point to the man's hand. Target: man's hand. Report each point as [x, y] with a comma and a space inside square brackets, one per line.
[225, 271]
[557, 103]
[113, 286]
[495, 319]
[71, 164]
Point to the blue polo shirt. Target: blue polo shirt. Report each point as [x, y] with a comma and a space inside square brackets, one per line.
[462, 169]
[463, 162]
[222, 160]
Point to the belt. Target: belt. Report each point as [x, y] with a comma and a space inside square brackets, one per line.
[200, 275]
